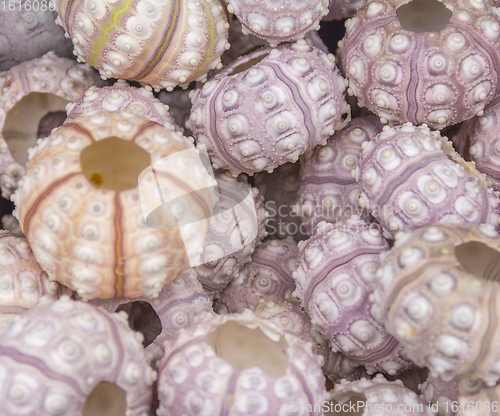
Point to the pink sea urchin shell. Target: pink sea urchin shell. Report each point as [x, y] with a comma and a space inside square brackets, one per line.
[484, 403]
[411, 177]
[22, 281]
[327, 190]
[437, 294]
[269, 107]
[278, 21]
[335, 272]
[95, 239]
[57, 355]
[28, 92]
[378, 397]
[239, 364]
[122, 97]
[164, 44]
[27, 32]
[437, 76]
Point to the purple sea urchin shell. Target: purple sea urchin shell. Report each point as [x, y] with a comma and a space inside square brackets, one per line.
[269, 107]
[223, 260]
[81, 212]
[480, 138]
[411, 177]
[164, 44]
[484, 403]
[268, 276]
[327, 190]
[437, 76]
[379, 397]
[27, 32]
[179, 304]
[445, 395]
[278, 21]
[437, 294]
[335, 272]
[28, 92]
[239, 364]
[54, 356]
[121, 97]
[22, 280]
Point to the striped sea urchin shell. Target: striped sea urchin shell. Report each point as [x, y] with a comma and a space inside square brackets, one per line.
[269, 107]
[238, 364]
[425, 75]
[436, 293]
[95, 239]
[278, 20]
[121, 97]
[161, 43]
[327, 190]
[410, 177]
[58, 355]
[28, 92]
[335, 274]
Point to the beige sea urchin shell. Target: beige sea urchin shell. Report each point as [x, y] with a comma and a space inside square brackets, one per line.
[80, 208]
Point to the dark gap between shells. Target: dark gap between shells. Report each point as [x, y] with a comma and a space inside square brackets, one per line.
[22, 122]
[247, 65]
[479, 260]
[143, 318]
[114, 163]
[243, 348]
[424, 16]
[106, 400]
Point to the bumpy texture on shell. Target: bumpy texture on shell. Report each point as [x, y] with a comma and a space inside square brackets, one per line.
[445, 395]
[280, 191]
[411, 177]
[180, 304]
[53, 356]
[222, 262]
[439, 298]
[278, 21]
[335, 271]
[480, 139]
[484, 403]
[121, 97]
[22, 280]
[49, 74]
[342, 9]
[27, 34]
[268, 276]
[195, 378]
[328, 191]
[437, 78]
[93, 240]
[259, 117]
[164, 44]
[381, 397]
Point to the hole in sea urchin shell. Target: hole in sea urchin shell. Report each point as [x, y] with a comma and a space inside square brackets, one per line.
[105, 400]
[143, 318]
[479, 260]
[424, 16]
[114, 163]
[24, 123]
[243, 348]
[348, 401]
